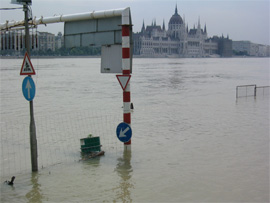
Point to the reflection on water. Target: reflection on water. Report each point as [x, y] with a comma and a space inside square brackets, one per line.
[124, 170]
[35, 194]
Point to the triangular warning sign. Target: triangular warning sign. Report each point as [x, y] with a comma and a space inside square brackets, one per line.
[123, 80]
[27, 67]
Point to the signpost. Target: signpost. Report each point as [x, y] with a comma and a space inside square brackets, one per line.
[114, 33]
[28, 86]
[124, 132]
[126, 70]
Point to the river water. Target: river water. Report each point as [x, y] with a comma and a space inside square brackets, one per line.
[192, 141]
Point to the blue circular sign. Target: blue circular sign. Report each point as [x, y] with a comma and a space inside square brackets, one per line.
[124, 132]
[28, 88]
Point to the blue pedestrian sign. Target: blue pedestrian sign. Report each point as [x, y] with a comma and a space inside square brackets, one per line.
[124, 132]
[28, 88]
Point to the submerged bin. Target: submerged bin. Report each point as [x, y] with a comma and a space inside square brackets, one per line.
[91, 144]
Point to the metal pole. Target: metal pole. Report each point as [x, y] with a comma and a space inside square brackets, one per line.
[32, 128]
[126, 62]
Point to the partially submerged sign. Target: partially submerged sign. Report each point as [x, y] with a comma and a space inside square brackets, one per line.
[124, 132]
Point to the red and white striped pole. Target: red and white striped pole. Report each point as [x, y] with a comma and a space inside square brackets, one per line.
[126, 63]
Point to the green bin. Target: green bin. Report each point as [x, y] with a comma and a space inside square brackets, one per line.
[91, 144]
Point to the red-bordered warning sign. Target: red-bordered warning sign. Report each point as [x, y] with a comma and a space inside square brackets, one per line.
[27, 67]
[123, 80]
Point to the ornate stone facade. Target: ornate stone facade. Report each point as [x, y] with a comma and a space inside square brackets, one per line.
[177, 41]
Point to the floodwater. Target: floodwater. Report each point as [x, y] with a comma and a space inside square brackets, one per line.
[192, 141]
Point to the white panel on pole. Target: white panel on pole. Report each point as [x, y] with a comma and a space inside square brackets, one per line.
[111, 59]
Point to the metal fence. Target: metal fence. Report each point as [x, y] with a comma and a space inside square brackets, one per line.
[245, 90]
[262, 90]
[251, 90]
[58, 139]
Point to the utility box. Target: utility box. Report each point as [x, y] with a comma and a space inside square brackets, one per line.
[111, 59]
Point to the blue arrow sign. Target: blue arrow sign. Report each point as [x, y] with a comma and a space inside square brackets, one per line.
[28, 88]
[124, 132]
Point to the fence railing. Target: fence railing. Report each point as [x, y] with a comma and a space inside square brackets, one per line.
[251, 90]
[245, 90]
[263, 90]
[58, 139]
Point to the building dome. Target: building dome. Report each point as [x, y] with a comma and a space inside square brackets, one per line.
[176, 18]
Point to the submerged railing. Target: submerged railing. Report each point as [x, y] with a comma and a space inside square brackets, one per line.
[251, 90]
[263, 90]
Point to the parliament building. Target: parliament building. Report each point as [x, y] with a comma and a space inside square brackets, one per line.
[177, 41]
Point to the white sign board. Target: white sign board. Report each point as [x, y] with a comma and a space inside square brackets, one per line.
[111, 59]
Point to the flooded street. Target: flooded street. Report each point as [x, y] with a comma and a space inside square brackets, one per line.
[192, 141]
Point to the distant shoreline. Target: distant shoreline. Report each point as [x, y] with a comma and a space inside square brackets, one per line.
[47, 57]
[136, 56]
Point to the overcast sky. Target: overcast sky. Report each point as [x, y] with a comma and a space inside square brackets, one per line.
[240, 19]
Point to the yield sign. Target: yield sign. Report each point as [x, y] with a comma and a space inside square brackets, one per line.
[27, 67]
[123, 80]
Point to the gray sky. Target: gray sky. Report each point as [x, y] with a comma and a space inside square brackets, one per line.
[241, 19]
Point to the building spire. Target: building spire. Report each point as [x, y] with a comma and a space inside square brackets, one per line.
[143, 27]
[205, 28]
[199, 23]
[176, 10]
[163, 26]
